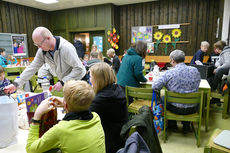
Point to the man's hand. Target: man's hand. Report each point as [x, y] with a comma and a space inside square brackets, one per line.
[58, 86]
[45, 106]
[10, 89]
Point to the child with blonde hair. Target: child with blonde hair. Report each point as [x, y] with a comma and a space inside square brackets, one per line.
[199, 55]
[79, 131]
[12, 59]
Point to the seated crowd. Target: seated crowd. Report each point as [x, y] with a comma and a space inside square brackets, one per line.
[96, 113]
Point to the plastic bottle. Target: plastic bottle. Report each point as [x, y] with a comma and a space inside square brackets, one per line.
[21, 61]
[45, 84]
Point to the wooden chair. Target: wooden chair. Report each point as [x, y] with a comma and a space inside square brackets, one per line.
[190, 98]
[225, 100]
[141, 97]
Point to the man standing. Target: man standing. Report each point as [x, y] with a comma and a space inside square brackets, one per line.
[180, 79]
[116, 61]
[58, 53]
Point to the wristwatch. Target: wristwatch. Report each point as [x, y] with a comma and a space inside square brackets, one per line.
[35, 121]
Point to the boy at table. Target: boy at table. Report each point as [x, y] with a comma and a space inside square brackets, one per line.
[3, 81]
[180, 79]
[79, 131]
[199, 55]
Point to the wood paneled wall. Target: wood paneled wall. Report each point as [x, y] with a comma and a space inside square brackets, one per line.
[84, 19]
[21, 19]
[202, 15]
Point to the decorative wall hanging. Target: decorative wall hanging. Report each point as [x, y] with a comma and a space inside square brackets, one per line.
[113, 38]
[157, 35]
[142, 33]
[166, 40]
[150, 47]
[176, 33]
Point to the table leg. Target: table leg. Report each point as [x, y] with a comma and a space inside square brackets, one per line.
[208, 107]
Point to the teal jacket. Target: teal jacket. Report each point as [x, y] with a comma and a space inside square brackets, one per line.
[130, 72]
[3, 61]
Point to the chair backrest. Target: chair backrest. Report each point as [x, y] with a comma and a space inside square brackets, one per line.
[12, 70]
[139, 93]
[185, 98]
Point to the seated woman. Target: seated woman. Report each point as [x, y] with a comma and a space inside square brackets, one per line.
[79, 131]
[110, 104]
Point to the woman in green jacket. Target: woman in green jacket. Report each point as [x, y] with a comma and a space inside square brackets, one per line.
[130, 72]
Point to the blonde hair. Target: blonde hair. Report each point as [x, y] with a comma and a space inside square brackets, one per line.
[103, 76]
[205, 44]
[78, 95]
[10, 58]
[100, 56]
[110, 51]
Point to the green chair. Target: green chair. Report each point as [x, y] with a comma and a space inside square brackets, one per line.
[187, 98]
[141, 97]
[16, 71]
[224, 99]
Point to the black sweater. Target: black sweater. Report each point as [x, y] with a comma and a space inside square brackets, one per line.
[110, 105]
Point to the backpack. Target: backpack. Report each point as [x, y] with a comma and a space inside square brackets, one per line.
[224, 86]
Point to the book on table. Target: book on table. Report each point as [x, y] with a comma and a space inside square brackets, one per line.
[48, 119]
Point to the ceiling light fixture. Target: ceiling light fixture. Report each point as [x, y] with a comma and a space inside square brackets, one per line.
[47, 1]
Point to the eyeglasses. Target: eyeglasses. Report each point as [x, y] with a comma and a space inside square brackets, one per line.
[39, 45]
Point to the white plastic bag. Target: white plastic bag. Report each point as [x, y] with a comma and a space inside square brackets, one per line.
[8, 121]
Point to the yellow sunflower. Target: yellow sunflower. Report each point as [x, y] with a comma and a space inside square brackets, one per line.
[158, 35]
[166, 39]
[176, 33]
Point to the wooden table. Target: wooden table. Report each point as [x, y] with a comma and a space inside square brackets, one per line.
[211, 147]
[204, 86]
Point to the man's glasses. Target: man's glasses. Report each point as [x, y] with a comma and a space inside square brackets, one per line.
[39, 45]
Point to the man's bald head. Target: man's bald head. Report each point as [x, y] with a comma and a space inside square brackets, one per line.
[43, 39]
[41, 32]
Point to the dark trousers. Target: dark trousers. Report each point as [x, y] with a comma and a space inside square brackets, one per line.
[217, 77]
[180, 111]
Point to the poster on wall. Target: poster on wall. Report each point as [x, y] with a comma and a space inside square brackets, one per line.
[142, 33]
[98, 40]
[18, 45]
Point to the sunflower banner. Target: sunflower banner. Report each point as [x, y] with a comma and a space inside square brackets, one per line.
[157, 35]
[113, 38]
[176, 33]
[166, 40]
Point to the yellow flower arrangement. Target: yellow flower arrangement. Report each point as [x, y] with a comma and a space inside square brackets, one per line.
[158, 35]
[166, 39]
[176, 33]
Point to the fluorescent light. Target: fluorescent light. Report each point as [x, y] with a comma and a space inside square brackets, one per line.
[47, 1]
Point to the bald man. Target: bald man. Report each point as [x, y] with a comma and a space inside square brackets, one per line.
[58, 53]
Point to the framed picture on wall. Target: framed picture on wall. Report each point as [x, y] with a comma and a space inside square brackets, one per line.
[98, 40]
[19, 45]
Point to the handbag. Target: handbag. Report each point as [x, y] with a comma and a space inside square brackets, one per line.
[158, 113]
